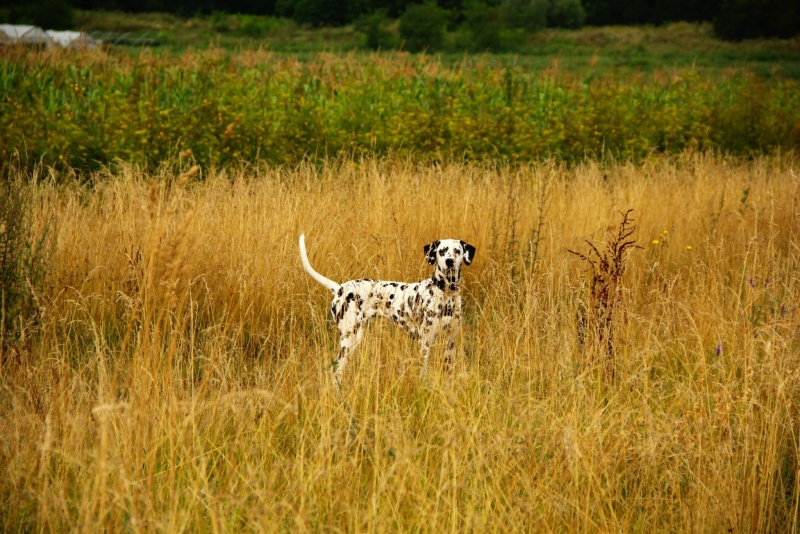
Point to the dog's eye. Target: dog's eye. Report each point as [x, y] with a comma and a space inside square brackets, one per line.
[442, 251]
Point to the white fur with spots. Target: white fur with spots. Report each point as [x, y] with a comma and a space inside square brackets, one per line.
[423, 309]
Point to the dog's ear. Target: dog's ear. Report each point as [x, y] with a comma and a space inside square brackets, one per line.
[469, 252]
[430, 252]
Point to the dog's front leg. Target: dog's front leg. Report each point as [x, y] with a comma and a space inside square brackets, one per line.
[450, 329]
[426, 341]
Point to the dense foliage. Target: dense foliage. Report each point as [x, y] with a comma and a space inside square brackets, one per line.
[734, 19]
[88, 109]
[22, 261]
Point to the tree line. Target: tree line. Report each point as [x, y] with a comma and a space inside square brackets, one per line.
[733, 19]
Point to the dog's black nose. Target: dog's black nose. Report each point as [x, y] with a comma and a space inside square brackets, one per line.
[449, 262]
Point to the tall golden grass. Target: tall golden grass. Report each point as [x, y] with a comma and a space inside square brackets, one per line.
[178, 377]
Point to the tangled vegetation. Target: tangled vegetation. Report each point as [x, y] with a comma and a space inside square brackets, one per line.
[88, 109]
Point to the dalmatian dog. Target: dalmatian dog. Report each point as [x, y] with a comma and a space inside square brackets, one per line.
[423, 309]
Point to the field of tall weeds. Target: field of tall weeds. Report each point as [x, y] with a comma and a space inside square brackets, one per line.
[176, 374]
[85, 110]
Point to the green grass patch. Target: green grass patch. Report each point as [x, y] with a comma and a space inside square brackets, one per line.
[647, 48]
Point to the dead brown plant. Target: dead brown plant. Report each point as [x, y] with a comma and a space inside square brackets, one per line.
[596, 317]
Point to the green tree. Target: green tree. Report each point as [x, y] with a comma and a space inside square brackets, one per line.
[484, 25]
[375, 28]
[47, 14]
[530, 15]
[321, 12]
[566, 14]
[422, 27]
[750, 19]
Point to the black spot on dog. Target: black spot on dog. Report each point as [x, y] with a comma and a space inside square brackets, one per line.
[337, 312]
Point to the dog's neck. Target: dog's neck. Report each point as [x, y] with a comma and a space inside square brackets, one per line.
[448, 284]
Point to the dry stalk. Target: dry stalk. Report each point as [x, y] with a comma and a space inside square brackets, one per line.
[605, 289]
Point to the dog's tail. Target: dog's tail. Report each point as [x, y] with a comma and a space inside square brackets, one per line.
[327, 282]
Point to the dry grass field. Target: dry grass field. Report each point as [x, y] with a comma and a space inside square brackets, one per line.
[178, 376]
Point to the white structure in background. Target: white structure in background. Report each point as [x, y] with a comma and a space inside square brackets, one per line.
[70, 39]
[11, 34]
[20, 34]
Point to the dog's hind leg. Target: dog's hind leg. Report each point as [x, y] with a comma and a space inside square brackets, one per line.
[349, 342]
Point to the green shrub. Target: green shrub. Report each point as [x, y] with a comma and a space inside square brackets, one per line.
[220, 21]
[318, 12]
[256, 26]
[530, 15]
[422, 27]
[375, 28]
[566, 14]
[22, 261]
[484, 26]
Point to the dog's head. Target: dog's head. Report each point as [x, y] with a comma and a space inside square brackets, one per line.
[448, 255]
